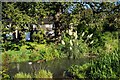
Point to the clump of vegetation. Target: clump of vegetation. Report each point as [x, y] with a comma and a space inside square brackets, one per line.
[4, 75]
[76, 71]
[17, 56]
[72, 46]
[23, 75]
[37, 75]
[5, 66]
[39, 36]
[107, 66]
[40, 52]
[43, 74]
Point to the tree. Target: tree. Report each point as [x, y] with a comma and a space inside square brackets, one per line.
[85, 16]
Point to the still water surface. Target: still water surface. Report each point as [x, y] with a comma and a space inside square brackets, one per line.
[57, 67]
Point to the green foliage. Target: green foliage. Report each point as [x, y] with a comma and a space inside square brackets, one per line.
[39, 74]
[83, 47]
[35, 55]
[50, 52]
[26, 53]
[4, 67]
[106, 43]
[111, 41]
[17, 56]
[72, 46]
[4, 74]
[107, 66]
[98, 22]
[23, 75]
[9, 46]
[39, 37]
[43, 74]
[77, 71]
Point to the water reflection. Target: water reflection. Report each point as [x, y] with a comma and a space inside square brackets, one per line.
[57, 67]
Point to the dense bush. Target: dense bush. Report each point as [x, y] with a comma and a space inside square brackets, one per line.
[107, 66]
[76, 71]
[74, 46]
[10, 46]
[39, 36]
[23, 75]
[17, 56]
[40, 52]
[43, 74]
[4, 74]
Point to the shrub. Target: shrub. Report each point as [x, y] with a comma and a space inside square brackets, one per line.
[39, 36]
[35, 55]
[23, 75]
[73, 47]
[41, 51]
[16, 56]
[77, 71]
[47, 52]
[10, 46]
[51, 53]
[43, 74]
[107, 66]
[4, 74]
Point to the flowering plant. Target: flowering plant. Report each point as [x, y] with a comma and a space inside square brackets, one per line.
[73, 47]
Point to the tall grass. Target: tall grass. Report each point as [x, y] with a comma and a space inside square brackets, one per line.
[106, 66]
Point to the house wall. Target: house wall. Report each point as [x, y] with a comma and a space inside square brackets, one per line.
[47, 26]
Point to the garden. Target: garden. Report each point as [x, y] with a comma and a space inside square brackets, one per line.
[84, 43]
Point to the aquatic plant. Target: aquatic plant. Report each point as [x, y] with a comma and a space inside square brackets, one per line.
[23, 75]
[43, 74]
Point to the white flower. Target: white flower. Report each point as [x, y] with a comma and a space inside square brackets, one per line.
[75, 34]
[70, 32]
[90, 35]
[71, 27]
[91, 42]
[73, 40]
[87, 36]
[83, 34]
[63, 42]
[77, 43]
[71, 43]
[70, 48]
[67, 31]
[76, 37]
[29, 9]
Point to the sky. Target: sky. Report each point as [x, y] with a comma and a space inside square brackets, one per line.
[72, 7]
